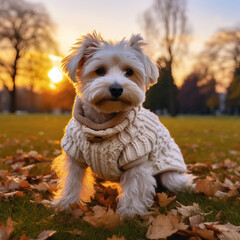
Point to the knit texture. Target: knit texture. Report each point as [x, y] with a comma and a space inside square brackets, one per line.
[108, 151]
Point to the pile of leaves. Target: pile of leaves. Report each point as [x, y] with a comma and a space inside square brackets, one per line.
[168, 217]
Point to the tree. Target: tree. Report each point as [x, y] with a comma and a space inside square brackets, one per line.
[165, 25]
[189, 96]
[24, 28]
[222, 55]
[198, 93]
[157, 97]
[233, 93]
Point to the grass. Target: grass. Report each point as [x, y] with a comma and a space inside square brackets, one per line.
[201, 139]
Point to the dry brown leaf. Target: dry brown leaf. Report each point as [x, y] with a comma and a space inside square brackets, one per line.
[188, 211]
[33, 154]
[3, 174]
[205, 234]
[24, 184]
[227, 227]
[14, 184]
[195, 220]
[17, 165]
[24, 237]
[114, 237]
[20, 194]
[164, 226]
[231, 234]
[38, 197]
[206, 187]
[43, 186]
[164, 200]
[7, 230]
[100, 217]
[53, 187]
[228, 163]
[77, 213]
[45, 234]
[11, 194]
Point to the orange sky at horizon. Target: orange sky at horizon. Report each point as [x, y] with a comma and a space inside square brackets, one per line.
[118, 19]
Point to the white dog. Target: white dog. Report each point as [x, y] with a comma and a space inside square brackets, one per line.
[111, 134]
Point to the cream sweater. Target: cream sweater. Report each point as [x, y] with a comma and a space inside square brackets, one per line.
[121, 143]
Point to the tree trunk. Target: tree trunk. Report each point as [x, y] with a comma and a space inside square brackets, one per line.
[172, 97]
[13, 92]
[13, 100]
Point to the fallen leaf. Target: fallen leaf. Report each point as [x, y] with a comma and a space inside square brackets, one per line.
[77, 213]
[164, 200]
[45, 234]
[231, 234]
[38, 197]
[188, 211]
[114, 237]
[195, 220]
[102, 217]
[24, 237]
[33, 154]
[43, 186]
[14, 184]
[205, 234]
[206, 187]
[11, 194]
[20, 194]
[17, 165]
[3, 174]
[24, 184]
[7, 230]
[164, 226]
[228, 163]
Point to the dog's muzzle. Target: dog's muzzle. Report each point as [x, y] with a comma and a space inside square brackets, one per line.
[116, 90]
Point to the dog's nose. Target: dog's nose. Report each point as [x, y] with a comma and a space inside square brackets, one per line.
[116, 90]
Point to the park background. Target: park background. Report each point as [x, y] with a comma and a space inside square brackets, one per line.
[196, 45]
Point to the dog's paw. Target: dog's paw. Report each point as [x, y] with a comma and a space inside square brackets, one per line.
[175, 181]
[131, 210]
[133, 206]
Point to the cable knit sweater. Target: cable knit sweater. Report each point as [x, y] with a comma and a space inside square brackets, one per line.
[112, 147]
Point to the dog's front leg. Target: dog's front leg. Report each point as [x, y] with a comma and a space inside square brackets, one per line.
[138, 190]
[76, 183]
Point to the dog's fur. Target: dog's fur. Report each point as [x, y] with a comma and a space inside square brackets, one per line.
[125, 64]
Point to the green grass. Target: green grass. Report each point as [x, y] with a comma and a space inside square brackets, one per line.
[201, 139]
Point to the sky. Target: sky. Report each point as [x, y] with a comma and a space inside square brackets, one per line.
[118, 19]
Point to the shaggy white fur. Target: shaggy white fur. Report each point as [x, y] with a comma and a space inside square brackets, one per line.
[111, 78]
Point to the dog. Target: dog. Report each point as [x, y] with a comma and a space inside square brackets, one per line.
[111, 134]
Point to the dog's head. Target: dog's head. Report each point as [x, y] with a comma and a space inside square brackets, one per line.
[112, 77]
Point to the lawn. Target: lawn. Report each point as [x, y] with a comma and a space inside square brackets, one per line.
[206, 140]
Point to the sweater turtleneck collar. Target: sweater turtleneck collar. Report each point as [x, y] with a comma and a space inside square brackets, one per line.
[106, 129]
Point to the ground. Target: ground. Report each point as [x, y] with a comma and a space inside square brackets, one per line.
[28, 143]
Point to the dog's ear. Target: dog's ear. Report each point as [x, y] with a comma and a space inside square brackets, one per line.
[80, 52]
[152, 73]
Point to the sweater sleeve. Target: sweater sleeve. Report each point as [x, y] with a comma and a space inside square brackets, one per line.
[71, 142]
[167, 155]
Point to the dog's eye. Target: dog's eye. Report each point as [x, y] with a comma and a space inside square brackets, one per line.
[129, 72]
[100, 71]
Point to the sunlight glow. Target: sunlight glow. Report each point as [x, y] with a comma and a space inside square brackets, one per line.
[55, 75]
[52, 85]
[55, 58]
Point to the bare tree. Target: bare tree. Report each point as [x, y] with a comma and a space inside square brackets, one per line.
[224, 48]
[221, 58]
[165, 26]
[24, 27]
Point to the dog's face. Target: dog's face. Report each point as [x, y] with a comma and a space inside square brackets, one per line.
[112, 77]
